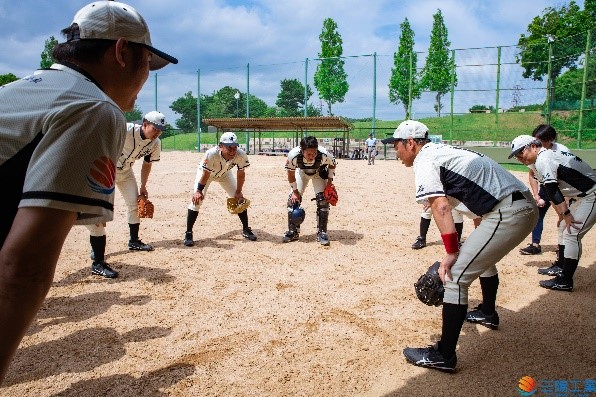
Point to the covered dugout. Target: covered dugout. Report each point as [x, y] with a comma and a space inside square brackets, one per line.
[299, 125]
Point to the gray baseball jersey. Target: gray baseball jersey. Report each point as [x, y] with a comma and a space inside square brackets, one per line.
[574, 177]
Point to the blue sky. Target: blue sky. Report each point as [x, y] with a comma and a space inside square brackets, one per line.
[221, 37]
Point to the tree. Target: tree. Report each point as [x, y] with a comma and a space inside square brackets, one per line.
[403, 73]
[330, 79]
[186, 107]
[439, 70]
[7, 78]
[136, 114]
[46, 55]
[291, 97]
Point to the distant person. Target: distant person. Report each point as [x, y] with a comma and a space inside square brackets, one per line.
[446, 176]
[425, 218]
[564, 176]
[58, 153]
[371, 148]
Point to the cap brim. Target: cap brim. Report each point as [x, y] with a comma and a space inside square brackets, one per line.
[159, 127]
[389, 140]
[515, 152]
[229, 144]
[160, 60]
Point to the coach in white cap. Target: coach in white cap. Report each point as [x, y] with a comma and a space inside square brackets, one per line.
[61, 133]
[446, 176]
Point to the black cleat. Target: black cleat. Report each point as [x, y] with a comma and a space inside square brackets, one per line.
[419, 243]
[323, 238]
[290, 236]
[430, 357]
[553, 270]
[558, 284]
[476, 316]
[531, 249]
[188, 239]
[139, 246]
[102, 269]
[248, 234]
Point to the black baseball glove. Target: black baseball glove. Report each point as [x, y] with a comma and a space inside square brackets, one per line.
[429, 287]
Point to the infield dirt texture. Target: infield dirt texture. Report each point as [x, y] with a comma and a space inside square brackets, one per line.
[230, 317]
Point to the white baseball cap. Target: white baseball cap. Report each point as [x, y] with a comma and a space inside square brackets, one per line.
[408, 129]
[228, 139]
[519, 143]
[112, 20]
[157, 119]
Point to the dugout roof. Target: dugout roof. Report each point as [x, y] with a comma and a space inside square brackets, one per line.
[280, 123]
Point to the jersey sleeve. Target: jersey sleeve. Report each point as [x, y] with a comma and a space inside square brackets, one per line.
[291, 161]
[546, 167]
[428, 181]
[73, 167]
[155, 152]
[242, 160]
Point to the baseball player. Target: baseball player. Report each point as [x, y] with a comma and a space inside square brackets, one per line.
[371, 148]
[216, 167]
[61, 131]
[425, 218]
[446, 176]
[547, 135]
[564, 176]
[142, 141]
[309, 162]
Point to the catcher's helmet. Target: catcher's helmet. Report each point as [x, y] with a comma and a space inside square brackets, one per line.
[297, 214]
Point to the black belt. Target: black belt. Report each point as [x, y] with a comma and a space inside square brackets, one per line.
[517, 195]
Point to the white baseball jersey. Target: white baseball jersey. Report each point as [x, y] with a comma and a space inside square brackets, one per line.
[556, 146]
[574, 177]
[371, 142]
[218, 166]
[60, 136]
[296, 160]
[471, 178]
[135, 147]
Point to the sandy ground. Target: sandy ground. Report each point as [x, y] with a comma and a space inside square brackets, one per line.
[230, 317]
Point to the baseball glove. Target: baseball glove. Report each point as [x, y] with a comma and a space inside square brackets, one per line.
[145, 207]
[330, 194]
[429, 287]
[234, 207]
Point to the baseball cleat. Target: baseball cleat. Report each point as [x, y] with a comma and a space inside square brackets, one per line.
[248, 234]
[290, 236]
[139, 246]
[558, 284]
[430, 357]
[188, 241]
[531, 249]
[553, 270]
[476, 316]
[102, 269]
[419, 243]
[323, 238]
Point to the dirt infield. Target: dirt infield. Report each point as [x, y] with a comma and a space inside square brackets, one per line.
[230, 317]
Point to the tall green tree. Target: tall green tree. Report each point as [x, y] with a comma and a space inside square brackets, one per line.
[136, 114]
[330, 79]
[404, 85]
[186, 107]
[7, 78]
[291, 97]
[439, 70]
[46, 54]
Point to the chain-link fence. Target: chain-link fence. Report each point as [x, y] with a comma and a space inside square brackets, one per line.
[490, 90]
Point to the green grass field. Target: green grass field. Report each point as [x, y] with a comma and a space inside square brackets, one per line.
[467, 127]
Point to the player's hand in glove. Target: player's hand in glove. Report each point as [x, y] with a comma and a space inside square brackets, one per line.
[429, 287]
[236, 206]
[145, 207]
[330, 194]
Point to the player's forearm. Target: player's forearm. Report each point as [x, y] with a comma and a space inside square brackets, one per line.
[442, 214]
[26, 274]
[241, 177]
[145, 171]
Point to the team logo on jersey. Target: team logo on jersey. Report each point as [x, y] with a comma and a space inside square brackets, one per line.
[101, 176]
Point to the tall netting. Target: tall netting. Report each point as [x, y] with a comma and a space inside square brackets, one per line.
[491, 82]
